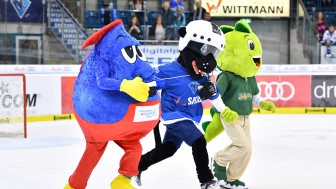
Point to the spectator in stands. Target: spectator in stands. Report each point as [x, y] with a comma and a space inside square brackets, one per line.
[106, 10]
[137, 5]
[180, 20]
[320, 25]
[207, 16]
[327, 5]
[329, 38]
[311, 5]
[176, 3]
[134, 28]
[168, 19]
[199, 11]
[157, 31]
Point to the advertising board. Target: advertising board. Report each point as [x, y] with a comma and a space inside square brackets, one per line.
[323, 91]
[247, 8]
[158, 54]
[286, 90]
[43, 95]
[23, 11]
[293, 89]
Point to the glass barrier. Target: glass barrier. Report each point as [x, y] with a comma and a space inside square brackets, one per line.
[306, 34]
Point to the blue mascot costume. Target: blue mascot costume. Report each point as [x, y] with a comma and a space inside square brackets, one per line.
[112, 102]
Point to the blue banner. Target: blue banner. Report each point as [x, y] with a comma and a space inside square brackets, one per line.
[23, 10]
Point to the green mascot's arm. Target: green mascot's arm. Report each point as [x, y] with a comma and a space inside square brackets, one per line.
[214, 128]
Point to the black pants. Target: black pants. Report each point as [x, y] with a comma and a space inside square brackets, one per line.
[168, 149]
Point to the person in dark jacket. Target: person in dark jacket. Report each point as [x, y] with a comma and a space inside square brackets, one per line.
[168, 19]
[134, 29]
[199, 11]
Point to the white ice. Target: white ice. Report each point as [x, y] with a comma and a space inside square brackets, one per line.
[289, 152]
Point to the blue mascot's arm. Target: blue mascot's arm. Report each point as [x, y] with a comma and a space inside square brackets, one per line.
[160, 83]
[103, 79]
[159, 77]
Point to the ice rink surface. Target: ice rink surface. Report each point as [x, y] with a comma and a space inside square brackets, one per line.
[289, 152]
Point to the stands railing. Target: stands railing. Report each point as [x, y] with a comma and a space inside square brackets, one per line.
[97, 19]
[306, 34]
[66, 29]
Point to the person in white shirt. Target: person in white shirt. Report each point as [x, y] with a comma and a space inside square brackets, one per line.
[329, 38]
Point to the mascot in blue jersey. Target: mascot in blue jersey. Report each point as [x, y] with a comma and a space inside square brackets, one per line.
[112, 102]
[184, 84]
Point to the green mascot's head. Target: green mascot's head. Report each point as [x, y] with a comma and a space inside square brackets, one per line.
[242, 54]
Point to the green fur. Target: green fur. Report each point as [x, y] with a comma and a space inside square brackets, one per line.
[267, 105]
[214, 128]
[225, 29]
[212, 111]
[237, 57]
[205, 125]
[243, 27]
[219, 171]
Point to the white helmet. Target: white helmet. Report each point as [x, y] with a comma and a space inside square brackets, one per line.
[202, 32]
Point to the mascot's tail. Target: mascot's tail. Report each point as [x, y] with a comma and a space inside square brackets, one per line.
[157, 135]
[205, 125]
[214, 128]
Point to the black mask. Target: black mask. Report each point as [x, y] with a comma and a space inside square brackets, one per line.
[204, 63]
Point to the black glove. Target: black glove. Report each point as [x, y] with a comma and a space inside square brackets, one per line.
[208, 89]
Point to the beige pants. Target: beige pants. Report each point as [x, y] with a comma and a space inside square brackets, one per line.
[236, 156]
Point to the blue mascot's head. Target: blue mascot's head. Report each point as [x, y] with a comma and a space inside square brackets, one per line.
[115, 57]
[115, 46]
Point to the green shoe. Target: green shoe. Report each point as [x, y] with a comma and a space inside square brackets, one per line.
[237, 184]
[219, 171]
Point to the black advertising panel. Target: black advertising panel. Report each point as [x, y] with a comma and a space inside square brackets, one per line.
[323, 91]
[23, 10]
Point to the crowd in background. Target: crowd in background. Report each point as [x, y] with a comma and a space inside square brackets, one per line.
[325, 32]
[169, 18]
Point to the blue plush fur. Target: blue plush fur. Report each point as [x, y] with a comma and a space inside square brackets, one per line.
[97, 97]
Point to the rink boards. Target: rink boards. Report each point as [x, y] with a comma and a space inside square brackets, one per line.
[294, 89]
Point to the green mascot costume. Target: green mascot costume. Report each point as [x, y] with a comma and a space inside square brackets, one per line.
[239, 62]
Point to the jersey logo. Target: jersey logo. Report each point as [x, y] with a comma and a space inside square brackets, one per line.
[245, 96]
[194, 100]
[193, 86]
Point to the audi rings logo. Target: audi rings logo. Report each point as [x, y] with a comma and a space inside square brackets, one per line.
[277, 90]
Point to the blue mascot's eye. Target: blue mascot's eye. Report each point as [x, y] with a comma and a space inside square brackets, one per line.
[140, 54]
[250, 44]
[129, 54]
[138, 51]
[129, 51]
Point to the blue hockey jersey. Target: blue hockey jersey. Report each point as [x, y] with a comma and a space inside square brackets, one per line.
[180, 98]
